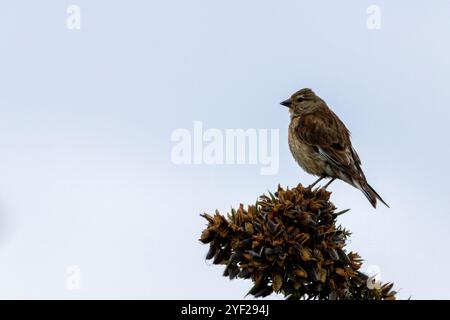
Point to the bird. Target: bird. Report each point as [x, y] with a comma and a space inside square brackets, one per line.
[320, 143]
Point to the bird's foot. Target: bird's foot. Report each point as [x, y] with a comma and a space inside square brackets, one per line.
[329, 182]
[314, 183]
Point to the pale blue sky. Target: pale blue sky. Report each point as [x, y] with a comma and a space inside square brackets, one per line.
[86, 118]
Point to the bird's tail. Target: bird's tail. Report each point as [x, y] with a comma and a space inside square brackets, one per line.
[370, 193]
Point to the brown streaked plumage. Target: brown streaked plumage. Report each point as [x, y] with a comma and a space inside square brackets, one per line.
[320, 143]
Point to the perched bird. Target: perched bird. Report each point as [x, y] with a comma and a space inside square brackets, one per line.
[320, 143]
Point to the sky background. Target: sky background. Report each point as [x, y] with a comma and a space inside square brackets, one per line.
[86, 117]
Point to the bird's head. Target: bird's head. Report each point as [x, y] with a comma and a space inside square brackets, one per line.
[298, 102]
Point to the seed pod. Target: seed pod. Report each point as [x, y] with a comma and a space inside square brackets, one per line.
[289, 242]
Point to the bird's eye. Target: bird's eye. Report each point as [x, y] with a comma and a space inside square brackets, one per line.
[299, 99]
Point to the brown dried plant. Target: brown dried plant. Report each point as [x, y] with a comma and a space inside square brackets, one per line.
[289, 243]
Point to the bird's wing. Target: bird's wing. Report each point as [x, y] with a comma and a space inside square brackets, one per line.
[324, 131]
[356, 156]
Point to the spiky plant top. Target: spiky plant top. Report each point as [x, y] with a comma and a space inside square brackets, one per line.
[289, 243]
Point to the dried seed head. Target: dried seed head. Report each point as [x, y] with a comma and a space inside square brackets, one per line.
[290, 243]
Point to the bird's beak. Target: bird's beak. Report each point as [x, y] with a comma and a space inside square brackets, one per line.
[287, 103]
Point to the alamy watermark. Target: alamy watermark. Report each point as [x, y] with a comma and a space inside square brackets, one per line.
[73, 19]
[373, 21]
[374, 274]
[73, 277]
[230, 146]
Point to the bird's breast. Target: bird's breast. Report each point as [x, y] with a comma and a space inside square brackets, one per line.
[305, 155]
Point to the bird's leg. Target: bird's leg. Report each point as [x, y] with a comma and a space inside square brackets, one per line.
[329, 182]
[315, 182]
